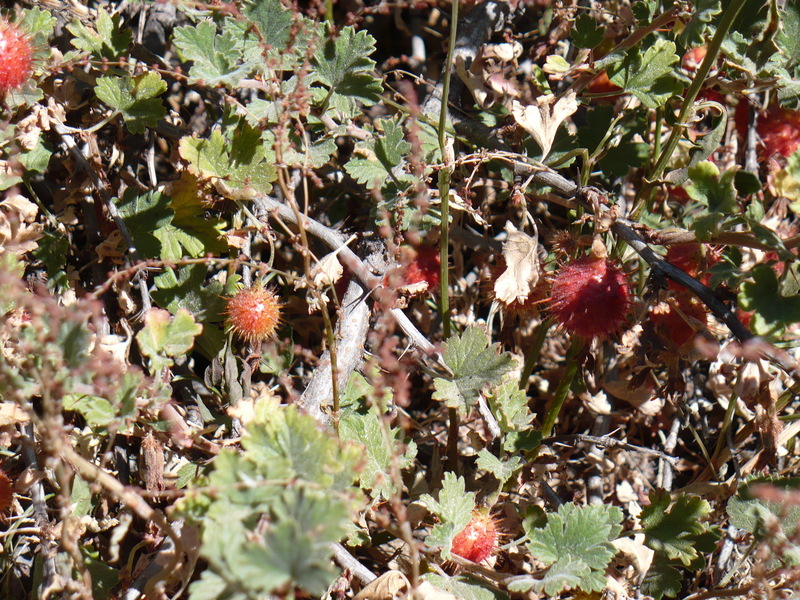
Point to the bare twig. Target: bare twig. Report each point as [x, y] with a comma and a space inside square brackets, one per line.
[607, 442]
[351, 331]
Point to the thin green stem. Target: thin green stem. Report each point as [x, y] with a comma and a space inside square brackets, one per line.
[444, 180]
[725, 24]
[571, 368]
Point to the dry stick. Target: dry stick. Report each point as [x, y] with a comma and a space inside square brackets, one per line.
[351, 331]
[39, 501]
[608, 442]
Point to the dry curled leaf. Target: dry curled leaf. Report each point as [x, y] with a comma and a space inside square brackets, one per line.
[543, 119]
[327, 271]
[390, 585]
[18, 230]
[520, 252]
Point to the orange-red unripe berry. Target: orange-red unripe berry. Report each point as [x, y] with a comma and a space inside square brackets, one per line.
[253, 314]
[478, 540]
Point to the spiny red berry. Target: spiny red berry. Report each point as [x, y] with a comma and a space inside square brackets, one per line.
[424, 267]
[589, 297]
[253, 314]
[675, 320]
[478, 540]
[15, 57]
[779, 130]
[420, 272]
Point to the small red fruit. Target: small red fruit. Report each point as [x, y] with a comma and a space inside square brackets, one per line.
[6, 492]
[478, 540]
[253, 314]
[779, 130]
[424, 267]
[589, 297]
[420, 270]
[15, 57]
[677, 320]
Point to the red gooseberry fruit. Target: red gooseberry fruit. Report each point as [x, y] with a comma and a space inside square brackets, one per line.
[779, 130]
[253, 314]
[15, 57]
[589, 297]
[478, 540]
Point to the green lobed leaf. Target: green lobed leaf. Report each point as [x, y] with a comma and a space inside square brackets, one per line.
[98, 412]
[165, 337]
[575, 542]
[360, 423]
[454, 510]
[712, 188]
[750, 513]
[662, 579]
[587, 33]
[502, 470]
[474, 364]
[134, 98]
[670, 528]
[275, 509]
[649, 77]
[464, 587]
[238, 166]
[218, 58]
[703, 14]
[109, 41]
[343, 66]
[381, 155]
[773, 312]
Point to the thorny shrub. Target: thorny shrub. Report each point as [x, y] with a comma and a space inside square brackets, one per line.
[562, 304]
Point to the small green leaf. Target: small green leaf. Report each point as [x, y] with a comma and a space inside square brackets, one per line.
[384, 153]
[649, 77]
[502, 470]
[671, 530]
[474, 364]
[662, 579]
[463, 587]
[222, 58]
[454, 510]
[165, 337]
[750, 513]
[109, 41]
[713, 189]
[773, 312]
[587, 33]
[98, 412]
[576, 543]
[343, 66]
[134, 98]
[237, 166]
[703, 14]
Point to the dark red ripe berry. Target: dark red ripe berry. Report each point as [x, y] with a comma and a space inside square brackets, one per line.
[424, 267]
[779, 130]
[15, 57]
[589, 297]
